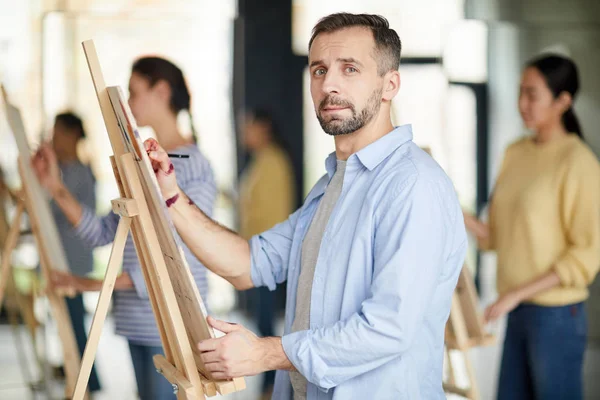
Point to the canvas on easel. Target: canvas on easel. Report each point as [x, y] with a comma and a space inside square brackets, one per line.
[35, 202]
[176, 303]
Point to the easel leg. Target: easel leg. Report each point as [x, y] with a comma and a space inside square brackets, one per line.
[115, 261]
[451, 379]
[473, 389]
[9, 246]
[13, 319]
[71, 358]
[25, 304]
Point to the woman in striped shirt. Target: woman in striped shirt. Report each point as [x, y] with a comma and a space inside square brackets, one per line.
[158, 93]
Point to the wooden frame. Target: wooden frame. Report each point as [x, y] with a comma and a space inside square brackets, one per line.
[176, 303]
[465, 330]
[34, 201]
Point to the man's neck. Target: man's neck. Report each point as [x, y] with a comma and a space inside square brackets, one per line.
[346, 145]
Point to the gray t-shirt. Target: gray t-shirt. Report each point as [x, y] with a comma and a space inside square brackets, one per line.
[80, 181]
[310, 253]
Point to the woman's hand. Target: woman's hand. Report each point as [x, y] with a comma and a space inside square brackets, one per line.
[480, 229]
[505, 304]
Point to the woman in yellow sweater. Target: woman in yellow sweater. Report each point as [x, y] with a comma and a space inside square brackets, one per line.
[544, 224]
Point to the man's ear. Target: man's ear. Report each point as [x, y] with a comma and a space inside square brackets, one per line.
[391, 85]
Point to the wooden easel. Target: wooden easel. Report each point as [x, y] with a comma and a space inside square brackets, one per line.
[56, 300]
[49, 248]
[465, 330]
[176, 303]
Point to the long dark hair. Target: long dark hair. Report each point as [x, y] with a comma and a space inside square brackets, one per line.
[156, 69]
[561, 75]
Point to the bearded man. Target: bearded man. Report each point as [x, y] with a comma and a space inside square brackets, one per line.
[372, 257]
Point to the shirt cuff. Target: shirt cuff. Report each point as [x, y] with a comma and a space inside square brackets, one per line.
[564, 270]
[87, 218]
[297, 349]
[260, 275]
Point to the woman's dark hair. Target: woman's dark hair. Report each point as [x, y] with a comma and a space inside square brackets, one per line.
[561, 75]
[72, 122]
[156, 69]
[264, 116]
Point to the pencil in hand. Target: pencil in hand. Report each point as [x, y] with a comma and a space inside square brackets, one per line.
[178, 155]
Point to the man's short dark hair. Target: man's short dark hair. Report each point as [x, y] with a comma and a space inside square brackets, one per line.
[72, 122]
[387, 42]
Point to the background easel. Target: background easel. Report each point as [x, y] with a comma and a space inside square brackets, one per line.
[33, 201]
[18, 305]
[176, 303]
[56, 300]
[465, 330]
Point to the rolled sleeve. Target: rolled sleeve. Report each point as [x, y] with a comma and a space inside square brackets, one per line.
[572, 273]
[579, 263]
[270, 253]
[297, 349]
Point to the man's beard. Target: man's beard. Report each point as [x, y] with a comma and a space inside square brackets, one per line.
[344, 126]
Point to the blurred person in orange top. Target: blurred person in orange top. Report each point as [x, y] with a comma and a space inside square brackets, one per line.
[267, 196]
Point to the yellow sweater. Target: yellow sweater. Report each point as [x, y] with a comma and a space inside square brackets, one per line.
[266, 192]
[544, 215]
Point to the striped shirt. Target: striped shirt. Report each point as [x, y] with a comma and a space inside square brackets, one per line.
[131, 308]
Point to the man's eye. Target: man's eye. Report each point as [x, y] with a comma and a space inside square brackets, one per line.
[350, 70]
[319, 72]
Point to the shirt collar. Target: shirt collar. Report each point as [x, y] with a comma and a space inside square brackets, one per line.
[373, 154]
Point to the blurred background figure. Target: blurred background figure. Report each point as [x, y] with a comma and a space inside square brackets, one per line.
[544, 224]
[78, 178]
[267, 197]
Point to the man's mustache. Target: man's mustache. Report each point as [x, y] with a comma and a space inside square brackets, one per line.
[332, 101]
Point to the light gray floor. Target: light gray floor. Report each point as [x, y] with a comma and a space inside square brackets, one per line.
[113, 363]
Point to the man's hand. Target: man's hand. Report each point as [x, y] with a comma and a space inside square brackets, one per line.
[45, 166]
[163, 168]
[240, 352]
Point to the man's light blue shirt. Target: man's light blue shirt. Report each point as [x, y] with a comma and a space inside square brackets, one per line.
[388, 265]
